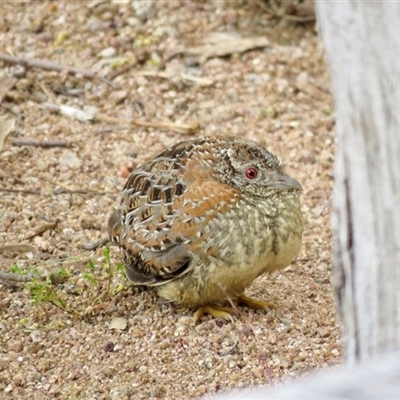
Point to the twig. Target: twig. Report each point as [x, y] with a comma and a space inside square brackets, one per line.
[45, 144]
[63, 186]
[43, 229]
[52, 66]
[176, 78]
[10, 276]
[66, 189]
[95, 245]
[224, 48]
[121, 71]
[19, 248]
[79, 191]
[6, 190]
[56, 191]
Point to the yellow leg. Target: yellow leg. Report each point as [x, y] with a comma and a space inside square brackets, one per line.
[215, 311]
[253, 303]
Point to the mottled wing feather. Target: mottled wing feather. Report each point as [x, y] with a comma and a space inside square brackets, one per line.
[167, 203]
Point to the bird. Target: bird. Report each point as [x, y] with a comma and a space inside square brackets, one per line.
[206, 217]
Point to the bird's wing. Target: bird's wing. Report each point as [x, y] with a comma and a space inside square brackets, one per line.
[160, 225]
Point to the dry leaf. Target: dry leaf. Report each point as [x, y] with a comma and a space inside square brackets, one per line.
[6, 126]
[6, 83]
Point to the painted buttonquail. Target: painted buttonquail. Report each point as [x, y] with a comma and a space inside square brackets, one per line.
[204, 219]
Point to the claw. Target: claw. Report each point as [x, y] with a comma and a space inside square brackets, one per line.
[254, 303]
[215, 311]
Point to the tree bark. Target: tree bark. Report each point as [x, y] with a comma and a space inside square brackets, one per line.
[362, 43]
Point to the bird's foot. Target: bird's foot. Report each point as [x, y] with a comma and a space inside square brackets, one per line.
[254, 303]
[215, 311]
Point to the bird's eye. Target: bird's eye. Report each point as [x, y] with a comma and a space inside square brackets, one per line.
[251, 173]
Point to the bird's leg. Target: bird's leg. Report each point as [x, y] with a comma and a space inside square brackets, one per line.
[254, 303]
[215, 311]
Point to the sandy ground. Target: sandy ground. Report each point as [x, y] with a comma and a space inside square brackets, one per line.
[60, 338]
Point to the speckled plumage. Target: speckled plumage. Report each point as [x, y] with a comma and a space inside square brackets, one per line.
[197, 224]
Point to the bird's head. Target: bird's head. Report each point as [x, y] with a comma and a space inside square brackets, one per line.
[253, 170]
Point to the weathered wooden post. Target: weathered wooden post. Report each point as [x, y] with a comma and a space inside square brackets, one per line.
[362, 44]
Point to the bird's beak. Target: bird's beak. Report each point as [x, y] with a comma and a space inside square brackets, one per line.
[283, 182]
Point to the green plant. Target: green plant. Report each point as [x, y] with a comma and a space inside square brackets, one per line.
[16, 269]
[87, 292]
[46, 289]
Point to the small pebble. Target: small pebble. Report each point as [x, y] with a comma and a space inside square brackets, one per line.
[70, 159]
[108, 346]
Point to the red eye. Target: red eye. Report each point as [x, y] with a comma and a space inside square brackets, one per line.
[251, 173]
